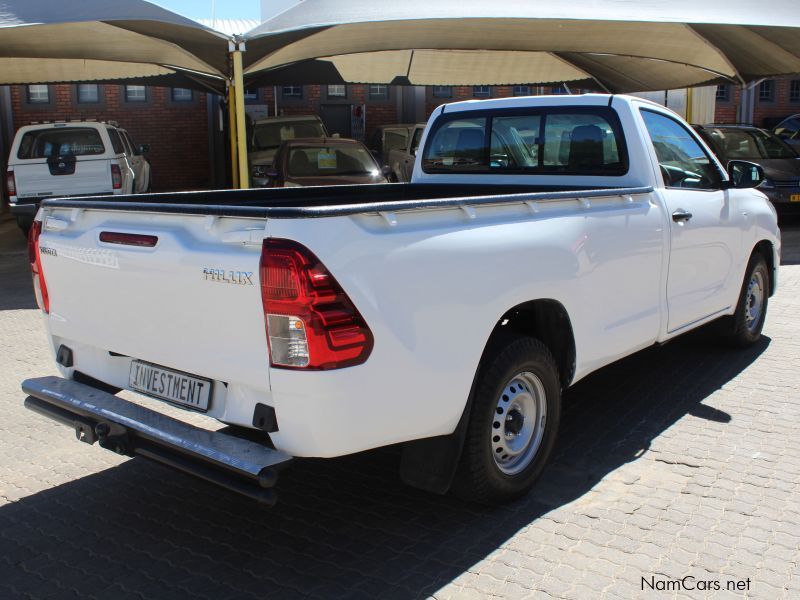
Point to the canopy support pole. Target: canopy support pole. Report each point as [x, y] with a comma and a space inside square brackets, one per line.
[241, 128]
[232, 136]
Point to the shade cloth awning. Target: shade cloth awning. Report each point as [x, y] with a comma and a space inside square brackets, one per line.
[93, 40]
[620, 45]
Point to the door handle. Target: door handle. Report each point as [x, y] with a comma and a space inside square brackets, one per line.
[681, 215]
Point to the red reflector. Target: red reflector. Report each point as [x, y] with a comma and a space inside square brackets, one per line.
[128, 239]
[35, 257]
[116, 177]
[330, 330]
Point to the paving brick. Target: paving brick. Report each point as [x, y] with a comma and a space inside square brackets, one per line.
[643, 482]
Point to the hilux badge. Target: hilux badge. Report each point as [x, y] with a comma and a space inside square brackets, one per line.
[233, 277]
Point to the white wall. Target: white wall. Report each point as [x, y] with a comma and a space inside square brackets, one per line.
[270, 8]
[703, 102]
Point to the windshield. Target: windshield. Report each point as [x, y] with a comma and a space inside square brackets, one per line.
[70, 141]
[749, 144]
[321, 161]
[268, 136]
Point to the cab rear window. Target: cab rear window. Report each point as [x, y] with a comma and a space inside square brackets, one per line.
[71, 141]
[553, 141]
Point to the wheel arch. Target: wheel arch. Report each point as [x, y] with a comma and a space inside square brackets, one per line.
[430, 463]
[548, 321]
[766, 249]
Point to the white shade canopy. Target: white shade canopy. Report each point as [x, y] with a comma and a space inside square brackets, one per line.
[616, 44]
[95, 40]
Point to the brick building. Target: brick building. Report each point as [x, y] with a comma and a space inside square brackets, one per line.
[764, 104]
[185, 128]
[174, 122]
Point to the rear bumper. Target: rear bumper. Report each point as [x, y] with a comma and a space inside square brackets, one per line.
[24, 208]
[237, 464]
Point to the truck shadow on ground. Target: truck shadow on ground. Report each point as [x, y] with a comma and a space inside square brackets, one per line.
[344, 527]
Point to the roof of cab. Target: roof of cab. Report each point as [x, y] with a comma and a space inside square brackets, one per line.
[533, 101]
[287, 118]
[322, 141]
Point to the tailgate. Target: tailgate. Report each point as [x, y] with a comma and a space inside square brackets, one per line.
[190, 303]
[38, 178]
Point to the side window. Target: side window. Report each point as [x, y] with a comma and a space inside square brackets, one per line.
[683, 162]
[127, 141]
[789, 129]
[458, 145]
[116, 141]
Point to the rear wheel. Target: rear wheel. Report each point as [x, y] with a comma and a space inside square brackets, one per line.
[513, 423]
[743, 328]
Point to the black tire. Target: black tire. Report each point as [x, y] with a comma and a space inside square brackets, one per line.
[479, 477]
[25, 224]
[740, 330]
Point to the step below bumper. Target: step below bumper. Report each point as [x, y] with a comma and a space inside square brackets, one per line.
[237, 464]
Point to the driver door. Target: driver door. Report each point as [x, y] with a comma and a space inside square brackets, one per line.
[705, 227]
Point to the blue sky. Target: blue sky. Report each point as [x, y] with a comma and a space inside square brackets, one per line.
[225, 9]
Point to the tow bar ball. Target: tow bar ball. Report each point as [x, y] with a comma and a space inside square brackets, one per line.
[110, 436]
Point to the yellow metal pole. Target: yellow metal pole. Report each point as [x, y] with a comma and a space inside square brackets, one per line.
[241, 129]
[232, 135]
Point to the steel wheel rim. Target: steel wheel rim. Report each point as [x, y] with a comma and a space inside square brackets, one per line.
[520, 418]
[754, 301]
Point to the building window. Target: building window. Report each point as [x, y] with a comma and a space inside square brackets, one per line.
[766, 90]
[88, 93]
[250, 94]
[135, 93]
[723, 93]
[442, 91]
[794, 90]
[182, 95]
[559, 90]
[522, 90]
[481, 91]
[337, 91]
[292, 91]
[38, 94]
[378, 92]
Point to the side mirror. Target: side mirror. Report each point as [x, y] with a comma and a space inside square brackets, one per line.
[744, 174]
[143, 148]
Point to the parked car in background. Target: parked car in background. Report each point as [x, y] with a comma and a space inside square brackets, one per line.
[267, 136]
[76, 158]
[789, 130]
[323, 161]
[401, 159]
[780, 161]
[393, 138]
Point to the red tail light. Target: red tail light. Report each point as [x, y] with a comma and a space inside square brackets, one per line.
[35, 258]
[11, 183]
[116, 177]
[311, 322]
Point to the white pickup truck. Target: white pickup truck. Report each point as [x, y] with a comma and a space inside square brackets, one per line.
[539, 240]
[74, 158]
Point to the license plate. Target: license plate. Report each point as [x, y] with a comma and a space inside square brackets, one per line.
[794, 198]
[172, 386]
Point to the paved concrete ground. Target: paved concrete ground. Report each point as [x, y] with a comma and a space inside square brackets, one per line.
[681, 460]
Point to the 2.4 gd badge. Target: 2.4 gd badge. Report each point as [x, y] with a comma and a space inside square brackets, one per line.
[233, 277]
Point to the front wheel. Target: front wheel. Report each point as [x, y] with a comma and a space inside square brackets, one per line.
[516, 408]
[743, 328]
